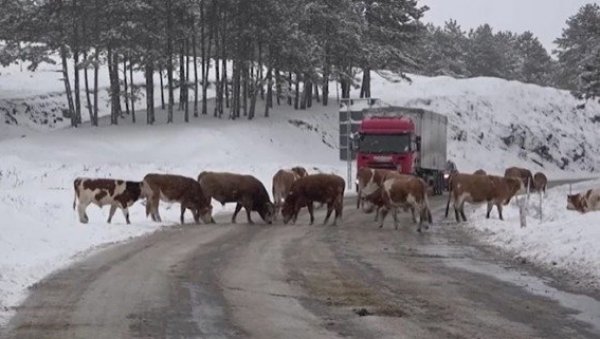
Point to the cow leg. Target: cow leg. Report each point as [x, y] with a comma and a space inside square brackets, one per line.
[113, 208]
[395, 215]
[182, 215]
[126, 214]
[311, 209]
[338, 205]
[414, 216]
[155, 201]
[377, 211]
[499, 206]
[462, 211]
[248, 210]
[384, 213]
[329, 210]
[490, 205]
[83, 218]
[238, 207]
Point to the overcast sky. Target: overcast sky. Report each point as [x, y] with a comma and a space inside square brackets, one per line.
[545, 18]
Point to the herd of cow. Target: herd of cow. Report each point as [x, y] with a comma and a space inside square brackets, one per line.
[293, 189]
[379, 190]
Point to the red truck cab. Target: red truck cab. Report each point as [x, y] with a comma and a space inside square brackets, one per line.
[387, 143]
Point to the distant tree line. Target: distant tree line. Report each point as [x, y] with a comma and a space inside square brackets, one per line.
[283, 52]
[449, 50]
[280, 51]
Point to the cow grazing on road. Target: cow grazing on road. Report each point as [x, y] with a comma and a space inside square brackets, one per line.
[116, 193]
[474, 189]
[480, 172]
[405, 192]
[245, 190]
[176, 188]
[324, 188]
[540, 182]
[521, 173]
[584, 202]
[282, 182]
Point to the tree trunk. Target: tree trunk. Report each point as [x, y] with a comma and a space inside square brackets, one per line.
[269, 103]
[195, 57]
[225, 86]
[125, 86]
[132, 85]
[169, 29]
[219, 93]
[203, 55]
[67, 83]
[317, 93]
[87, 89]
[96, 71]
[162, 88]
[365, 88]
[76, 63]
[245, 80]
[149, 73]
[181, 76]
[187, 81]
[297, 96]
[278, 86]
[290, 88]
[326, 85]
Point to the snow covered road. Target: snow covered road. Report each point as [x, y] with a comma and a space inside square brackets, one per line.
[225, 281]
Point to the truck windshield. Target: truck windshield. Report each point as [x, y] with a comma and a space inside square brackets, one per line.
[384, 143]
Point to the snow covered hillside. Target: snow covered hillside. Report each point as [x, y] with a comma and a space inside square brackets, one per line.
[495, 123]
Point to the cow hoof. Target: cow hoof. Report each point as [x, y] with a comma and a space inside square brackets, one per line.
[419, 230]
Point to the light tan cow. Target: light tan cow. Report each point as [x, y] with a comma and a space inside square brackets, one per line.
[475, 189]
[282, 182]
[405, 192]
[522, 173]
[584, 202]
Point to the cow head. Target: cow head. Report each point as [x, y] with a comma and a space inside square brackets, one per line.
[203, 212]
[267, 212]
[576, 202]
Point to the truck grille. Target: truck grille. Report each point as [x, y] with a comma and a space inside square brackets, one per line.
[382, 165]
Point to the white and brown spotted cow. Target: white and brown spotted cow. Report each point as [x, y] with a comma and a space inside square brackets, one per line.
[474, 189]
[102, 192]
[584, 202]
[405, 192]
[282, 182]
[369, 182]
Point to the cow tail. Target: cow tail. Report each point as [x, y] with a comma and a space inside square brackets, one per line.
[75, 187]
[358, 197]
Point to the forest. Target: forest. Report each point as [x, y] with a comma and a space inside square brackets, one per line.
[282, 52]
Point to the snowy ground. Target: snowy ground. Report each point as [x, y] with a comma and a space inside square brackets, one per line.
[39, 159]
[559, 240]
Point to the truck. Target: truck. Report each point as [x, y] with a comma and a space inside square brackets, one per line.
[408, 140]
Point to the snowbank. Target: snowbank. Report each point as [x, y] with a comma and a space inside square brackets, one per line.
[561, 239]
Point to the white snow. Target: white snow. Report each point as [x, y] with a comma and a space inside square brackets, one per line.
[560, 239]
[39, 160]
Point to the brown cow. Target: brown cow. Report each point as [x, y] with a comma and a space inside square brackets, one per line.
[590, 201]
[521, 173]
[480, 172]
[116, 193]
[405, 192]
[540, 181]
[324, 188]
[282, 182]
[176, 188]
[490, 189]
[245, 190]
